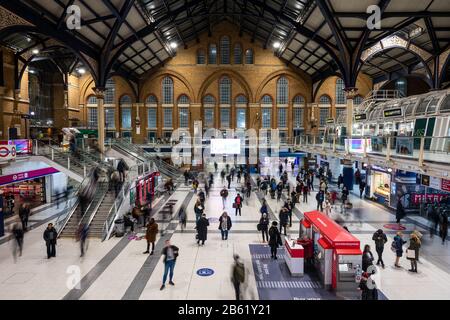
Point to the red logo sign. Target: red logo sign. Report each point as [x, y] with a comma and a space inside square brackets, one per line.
[445, 185]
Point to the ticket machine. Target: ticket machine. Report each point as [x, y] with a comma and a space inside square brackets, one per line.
[337, 253]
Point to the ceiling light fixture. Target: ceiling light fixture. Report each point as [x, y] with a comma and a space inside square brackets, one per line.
[276, 44]
[35, 51]
[173, 45]
[81, 71]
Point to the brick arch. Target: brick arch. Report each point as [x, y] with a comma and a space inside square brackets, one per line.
[233, 75]
[84, 91]
[287, 73]
[174, 75]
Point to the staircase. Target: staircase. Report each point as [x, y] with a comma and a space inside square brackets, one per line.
[71, 227]
[96, 225]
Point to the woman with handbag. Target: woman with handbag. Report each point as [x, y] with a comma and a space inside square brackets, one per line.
[367, 258]
[413, 251]
[224, 225]
[263, 226]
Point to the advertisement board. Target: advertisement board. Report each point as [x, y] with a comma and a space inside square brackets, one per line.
[357, 145]
[445, 185]
[225, 146]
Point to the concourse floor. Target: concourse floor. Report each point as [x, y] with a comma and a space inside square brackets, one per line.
[118, 269]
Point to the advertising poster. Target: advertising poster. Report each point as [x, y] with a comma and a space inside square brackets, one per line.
[404, 146]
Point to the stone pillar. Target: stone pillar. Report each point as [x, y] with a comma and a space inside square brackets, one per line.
[2, 120]
[350, 94]
[254, 117]
[100, 94]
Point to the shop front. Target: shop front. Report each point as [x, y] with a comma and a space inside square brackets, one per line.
[145, 189]
[337, 253]
[379, 184]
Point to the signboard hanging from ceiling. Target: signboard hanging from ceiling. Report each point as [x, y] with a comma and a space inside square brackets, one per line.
[397, 112]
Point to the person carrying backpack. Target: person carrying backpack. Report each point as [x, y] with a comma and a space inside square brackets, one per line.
[274, 240]
[237, 276]
[238, 204]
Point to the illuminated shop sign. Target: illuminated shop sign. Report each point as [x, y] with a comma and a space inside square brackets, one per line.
[361, 116]
[392, 113]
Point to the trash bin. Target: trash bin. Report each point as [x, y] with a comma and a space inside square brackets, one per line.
[119, 226]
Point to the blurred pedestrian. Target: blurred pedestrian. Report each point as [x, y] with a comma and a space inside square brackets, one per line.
[202, 229]
[182, 217]
[150, 235]
[18, 233]
[237, 276]
[82, 235]
[170, 253]
[24, 214]
[50, 236]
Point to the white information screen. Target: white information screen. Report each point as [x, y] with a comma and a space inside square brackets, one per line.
[225, 146]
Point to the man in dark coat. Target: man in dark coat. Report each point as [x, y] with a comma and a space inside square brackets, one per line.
[274, 240]
[400, 212]
[50, 235]
[202, 229]
[380, 240]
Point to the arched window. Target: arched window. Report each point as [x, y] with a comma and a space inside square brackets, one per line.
[225, 50]
[212, 54]
[126, 99]
[225, 90]
[183, 99]
[298, 100]
[201, 59]
[266, 99]
[241, 99]
[237, 53]
[249, 56]
[110, 91]
[340, 93]
[357, 100]
[209, 99]
[282, 91]
[324, 110]
[151, 100]
[92, 100]
[325, 100]
[167, 90]
[125, 112]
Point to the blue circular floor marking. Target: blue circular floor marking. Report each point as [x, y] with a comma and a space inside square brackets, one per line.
[205, 272]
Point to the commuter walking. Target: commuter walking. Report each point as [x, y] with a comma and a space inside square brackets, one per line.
[367, 258]
[380, 240]
[305, 193]
[50, 235]
[24, 213]
[327, 208]
[362, 186]
[202, 230]
[222, 176]
[274, 240]
[224, 195]
[198, 210]
[215, 166]
[320, 198]
[263, 226]
[412, 253]
[229, 181]
[443, 227]
[150, 235]
[122, 167]
[182, 217]
[397, 246]
[18, 233]
[224, 225]
[170, 253]
[237, 276]
[345, 194]
[82, 236]
[264, 208]
[340, 181]
[284, 217]
[433, 216]
[400, 212]
[238, 204]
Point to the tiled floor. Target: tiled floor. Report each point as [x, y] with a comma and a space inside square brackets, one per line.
[117, 269]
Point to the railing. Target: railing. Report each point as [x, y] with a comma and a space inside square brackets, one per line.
[378, 96]
[420, 148]
[132, 175]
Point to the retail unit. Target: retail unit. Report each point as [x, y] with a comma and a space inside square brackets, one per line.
[337, 253]
[294, 257]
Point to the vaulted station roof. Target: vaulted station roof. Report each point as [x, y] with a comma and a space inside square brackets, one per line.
[320, 37]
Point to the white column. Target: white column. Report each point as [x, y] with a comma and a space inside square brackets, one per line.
[100, 94]
[350, 94]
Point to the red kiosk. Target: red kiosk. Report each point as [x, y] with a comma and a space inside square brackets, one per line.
[337, 253]
[145, 188]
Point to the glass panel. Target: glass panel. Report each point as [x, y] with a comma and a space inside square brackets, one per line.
[183, 99]
[212, 54]
[340, 93]
[225, 50]
[151, 136]
[110, 91]
[237, 54]
[324, 100]
[445, 106]
[422, 106]
[167, 117]
[151, 100]
[410, 108]
[209, 99]
[151, 117]
[126, 118]
[249, 56]
[266, 118]
[201, 57]
[184, 117]
[209, 117]
[299, 100]
[110, 118]
[240, 118]
[323, 116]
[125, 100]
[92, 117]
[266, 99]
[357, 100]
[282, 90]
[240, 99]
[432, 106]
[224, 117]
[298, 117]
[282, 118]
[92, 100]
[225, 91]
[167, 90]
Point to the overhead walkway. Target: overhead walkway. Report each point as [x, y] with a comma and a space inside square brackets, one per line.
[415, 154]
